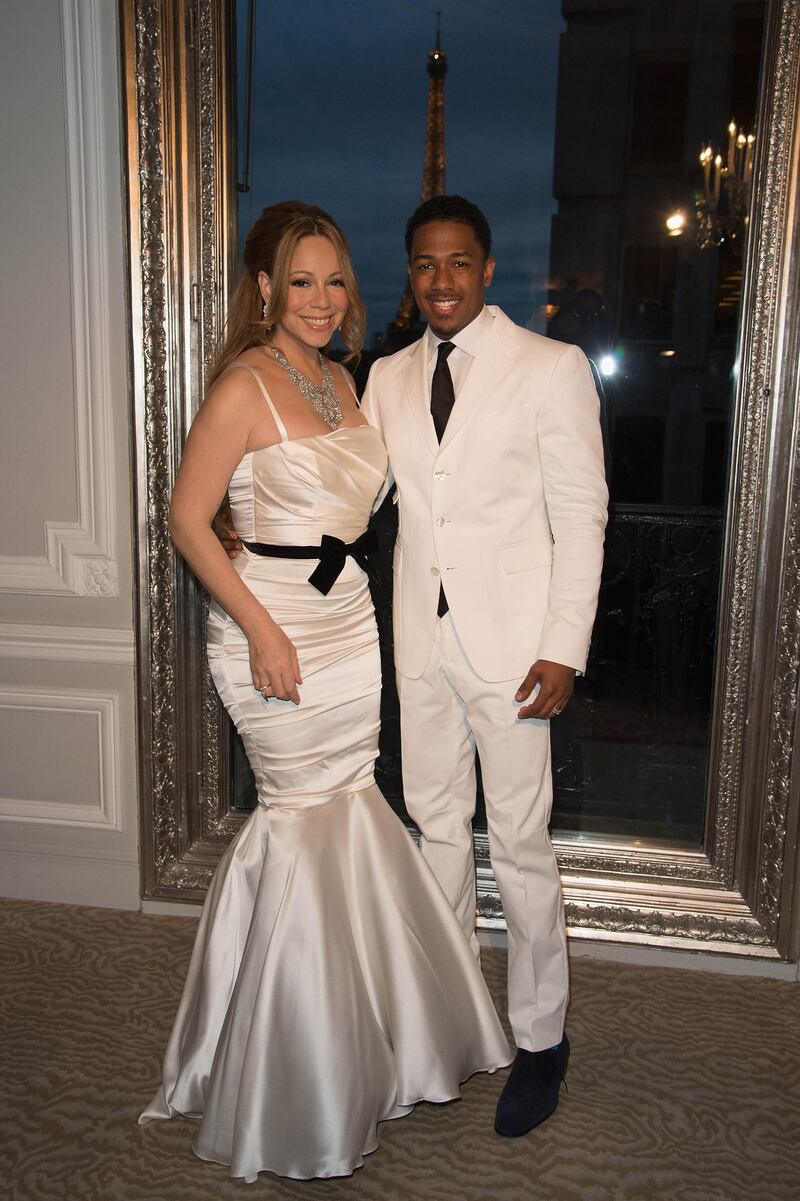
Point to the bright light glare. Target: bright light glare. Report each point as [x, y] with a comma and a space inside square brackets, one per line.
[676, 223]
[608, 365]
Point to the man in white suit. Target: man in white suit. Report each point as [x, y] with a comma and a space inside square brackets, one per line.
[494, 443]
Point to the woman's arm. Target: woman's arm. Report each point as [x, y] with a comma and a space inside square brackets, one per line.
[216, 443]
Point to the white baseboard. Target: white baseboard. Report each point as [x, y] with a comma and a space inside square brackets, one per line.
[71, 878]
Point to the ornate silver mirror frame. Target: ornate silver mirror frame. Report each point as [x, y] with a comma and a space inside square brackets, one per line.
[739, 892]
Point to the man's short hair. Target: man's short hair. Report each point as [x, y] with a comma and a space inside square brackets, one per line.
[450, 208]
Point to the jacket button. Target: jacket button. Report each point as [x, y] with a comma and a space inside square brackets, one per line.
[435, 571]
[440, 521]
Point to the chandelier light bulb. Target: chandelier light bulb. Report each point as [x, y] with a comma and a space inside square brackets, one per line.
[721, 208]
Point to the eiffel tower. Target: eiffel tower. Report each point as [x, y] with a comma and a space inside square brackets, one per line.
[405, 328]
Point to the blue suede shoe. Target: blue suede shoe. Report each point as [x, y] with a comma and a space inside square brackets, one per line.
[531, 1091]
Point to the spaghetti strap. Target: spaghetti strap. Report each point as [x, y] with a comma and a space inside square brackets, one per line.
[349, 381]
[257, 377]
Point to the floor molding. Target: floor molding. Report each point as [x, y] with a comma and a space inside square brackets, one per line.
[71, 877]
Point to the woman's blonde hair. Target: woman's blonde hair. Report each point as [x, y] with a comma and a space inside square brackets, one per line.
[269, 247]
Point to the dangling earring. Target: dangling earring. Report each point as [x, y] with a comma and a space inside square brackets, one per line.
[264, 311]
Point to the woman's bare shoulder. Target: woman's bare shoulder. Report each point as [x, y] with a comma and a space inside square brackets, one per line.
[238, 385]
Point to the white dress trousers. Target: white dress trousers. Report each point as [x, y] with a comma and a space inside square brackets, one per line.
[445, 714]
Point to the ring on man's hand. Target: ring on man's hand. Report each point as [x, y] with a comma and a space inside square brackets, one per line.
[554, 712]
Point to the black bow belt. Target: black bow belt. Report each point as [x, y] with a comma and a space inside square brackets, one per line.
[331, 553]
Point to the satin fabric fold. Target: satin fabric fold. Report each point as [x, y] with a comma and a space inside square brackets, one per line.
[330, 989]
[331, 986]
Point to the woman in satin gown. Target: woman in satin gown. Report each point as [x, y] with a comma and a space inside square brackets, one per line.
[330, 987]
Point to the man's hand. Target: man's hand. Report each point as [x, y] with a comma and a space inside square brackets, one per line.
[223, 527]
[555, 688]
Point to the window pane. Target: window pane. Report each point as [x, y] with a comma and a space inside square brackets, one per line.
[577, 127]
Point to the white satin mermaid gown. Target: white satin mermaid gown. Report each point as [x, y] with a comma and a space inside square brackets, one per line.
[331, 986]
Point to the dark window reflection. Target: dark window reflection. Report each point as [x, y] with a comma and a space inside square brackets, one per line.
[659, 96]
[631, 752]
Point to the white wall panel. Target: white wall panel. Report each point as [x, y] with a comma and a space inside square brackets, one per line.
[68, 789]
[58, 351]
[71, 779]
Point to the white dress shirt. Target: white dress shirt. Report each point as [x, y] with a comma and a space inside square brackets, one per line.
[467, 343]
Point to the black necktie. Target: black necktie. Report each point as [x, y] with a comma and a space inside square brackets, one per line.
[442, 392]
[443, 398]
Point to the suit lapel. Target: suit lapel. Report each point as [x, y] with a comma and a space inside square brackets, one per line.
[491, 363]
[415, 381]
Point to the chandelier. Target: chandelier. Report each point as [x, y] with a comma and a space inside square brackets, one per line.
[722, 208]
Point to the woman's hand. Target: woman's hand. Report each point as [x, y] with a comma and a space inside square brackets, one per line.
[273, 662]
[231, 542]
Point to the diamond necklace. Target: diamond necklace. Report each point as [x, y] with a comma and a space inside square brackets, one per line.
[322, 397]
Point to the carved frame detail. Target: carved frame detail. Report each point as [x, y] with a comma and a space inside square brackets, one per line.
[732, 895]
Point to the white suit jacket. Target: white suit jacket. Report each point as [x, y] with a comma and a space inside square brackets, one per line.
[508, 513]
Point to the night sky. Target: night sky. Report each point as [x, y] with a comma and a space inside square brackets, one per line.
[339, 120]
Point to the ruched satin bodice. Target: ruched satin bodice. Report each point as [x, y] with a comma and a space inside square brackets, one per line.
[331, 985]
[295, 491]
[291, 494]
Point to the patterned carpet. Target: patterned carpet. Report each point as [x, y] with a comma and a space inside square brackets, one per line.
[683, 1086]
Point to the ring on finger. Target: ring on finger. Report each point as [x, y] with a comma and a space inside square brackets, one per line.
[554, 712]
